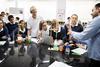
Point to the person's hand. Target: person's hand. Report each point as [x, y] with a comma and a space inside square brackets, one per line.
[19, 35]
[69, 32]
[28, 37]
[19, 39]
[66, 44]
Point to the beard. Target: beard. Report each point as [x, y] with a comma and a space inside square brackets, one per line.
[94, 15]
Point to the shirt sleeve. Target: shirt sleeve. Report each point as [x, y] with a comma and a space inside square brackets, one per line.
[28, 24]
[90, 31]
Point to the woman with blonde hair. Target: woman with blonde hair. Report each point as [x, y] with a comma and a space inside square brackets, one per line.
[56, 34]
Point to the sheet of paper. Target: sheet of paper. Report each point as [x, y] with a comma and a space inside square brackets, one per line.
[2, 60]
[34, 40]
[2, 42]
[79, 51]
[59, 64]
[11, 42]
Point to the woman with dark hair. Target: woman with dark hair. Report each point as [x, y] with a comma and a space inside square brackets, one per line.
[56, 34]
[22, 30]
[3, 31]
[3, 37]
[43, 31]
[21, 33]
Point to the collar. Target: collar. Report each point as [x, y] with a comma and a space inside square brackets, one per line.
[22, 30]
[59, 29]
[75, 24]
[12, 23]
[1, 30]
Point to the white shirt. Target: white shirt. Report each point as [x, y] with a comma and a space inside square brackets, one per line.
[33, 24]
[5, 19]
[1, 30]
[22, 30]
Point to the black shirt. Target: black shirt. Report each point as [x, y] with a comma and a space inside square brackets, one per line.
[3, 33]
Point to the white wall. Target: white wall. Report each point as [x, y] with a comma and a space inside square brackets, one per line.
[47, 9]
[82, 8]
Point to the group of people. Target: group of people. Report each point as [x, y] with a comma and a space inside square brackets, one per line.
[72, 32]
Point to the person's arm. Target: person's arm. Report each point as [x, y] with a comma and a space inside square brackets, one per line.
[80, 28]
[29, 27]
[29, 32]
[90, 31]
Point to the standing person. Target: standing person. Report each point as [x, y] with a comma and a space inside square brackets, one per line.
[33, 27]
[92, 32]
[33, 22]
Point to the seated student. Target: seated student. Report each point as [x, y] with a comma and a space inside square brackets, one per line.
[21, 33]
[1, 17]
[44, 39]
[75, 26]
[3, 31]
[3, 37]
[12, 26]
[43, 30]
[22, 30]
[56, 32]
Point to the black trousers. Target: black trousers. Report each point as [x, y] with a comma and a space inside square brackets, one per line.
[3, 48]
[94, 63]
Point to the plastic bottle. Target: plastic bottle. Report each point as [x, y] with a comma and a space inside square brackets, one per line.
[67, 50]
[55, 47]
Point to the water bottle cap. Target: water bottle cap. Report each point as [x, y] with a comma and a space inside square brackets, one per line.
[67, 46]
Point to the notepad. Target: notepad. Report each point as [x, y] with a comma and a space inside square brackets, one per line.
[2, 42]
[79, 51]
[59, 64]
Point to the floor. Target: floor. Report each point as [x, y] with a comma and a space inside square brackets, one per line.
[19, 61]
